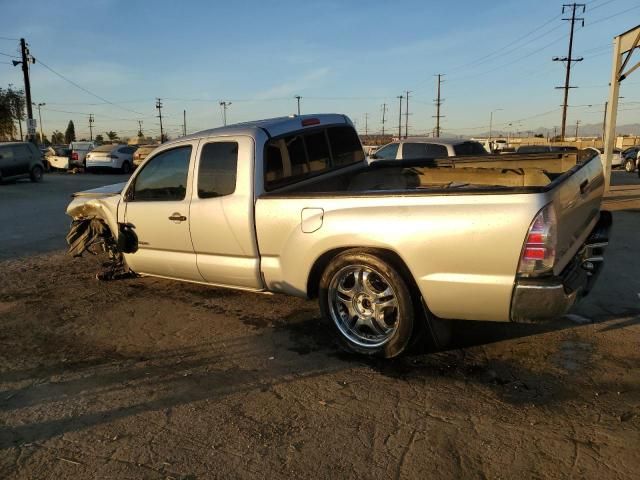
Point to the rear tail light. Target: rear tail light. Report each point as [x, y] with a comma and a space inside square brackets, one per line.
[310, 121]
[539, 250]
[74, 156]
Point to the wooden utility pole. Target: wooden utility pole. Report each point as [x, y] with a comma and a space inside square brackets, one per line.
[406, 115]
[400, 117]
[384, 111]
[569, 61]
[26, 59]
[184, 123]
[224, 106]
[91, 127]
[438, 104]
[159, 107]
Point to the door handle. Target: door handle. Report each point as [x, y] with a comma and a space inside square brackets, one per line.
[583, 186]
[177, 218]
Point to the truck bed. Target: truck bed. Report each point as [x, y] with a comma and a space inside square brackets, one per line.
[524, 173]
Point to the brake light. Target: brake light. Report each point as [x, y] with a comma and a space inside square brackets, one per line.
[74, 156]
[310, 121]
[539, 250]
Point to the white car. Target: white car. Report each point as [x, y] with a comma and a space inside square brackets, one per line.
[427, 147]
[118, 157]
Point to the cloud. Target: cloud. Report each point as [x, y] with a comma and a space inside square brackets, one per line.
[296, 85]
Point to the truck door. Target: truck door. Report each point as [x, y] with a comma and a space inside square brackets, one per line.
[157, 204]
[222, 213]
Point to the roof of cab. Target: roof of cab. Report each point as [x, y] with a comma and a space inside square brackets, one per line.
[273, 126]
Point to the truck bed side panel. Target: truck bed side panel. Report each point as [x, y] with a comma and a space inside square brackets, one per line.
[463, 251]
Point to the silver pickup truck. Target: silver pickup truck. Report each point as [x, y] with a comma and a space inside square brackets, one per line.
[289, 205]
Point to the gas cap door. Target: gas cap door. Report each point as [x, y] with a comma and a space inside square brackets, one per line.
[311, 219]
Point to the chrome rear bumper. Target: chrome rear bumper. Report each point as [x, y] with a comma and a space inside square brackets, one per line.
[540, 299]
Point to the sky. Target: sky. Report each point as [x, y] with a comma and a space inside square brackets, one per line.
[341, 56]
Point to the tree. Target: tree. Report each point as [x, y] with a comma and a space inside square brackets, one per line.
[539, 135]
[99, 139]
[70, 133]
[42, 141]
[57, 138]
[11, 110]
[113, 136]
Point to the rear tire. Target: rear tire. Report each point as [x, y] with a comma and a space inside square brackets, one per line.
[126, 168]
[367, 303]
[629, 165]
[36, 174]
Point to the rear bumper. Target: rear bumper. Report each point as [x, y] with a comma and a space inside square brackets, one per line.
[541, 299]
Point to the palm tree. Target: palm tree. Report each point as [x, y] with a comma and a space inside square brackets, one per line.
[112, 135]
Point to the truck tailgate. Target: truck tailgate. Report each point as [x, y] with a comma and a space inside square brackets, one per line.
[576, 198]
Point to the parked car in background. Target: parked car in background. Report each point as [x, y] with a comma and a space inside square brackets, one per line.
[616, 160]
[79, 152]
[116, 157]
[20, 160]
[141, 153]
[546, 149]
[426, 147]
[631, 157]
[61, 158]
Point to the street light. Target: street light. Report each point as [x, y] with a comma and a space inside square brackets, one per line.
[491, 126]
[40, 119]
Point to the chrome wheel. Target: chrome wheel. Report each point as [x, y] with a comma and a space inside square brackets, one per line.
[364, 305]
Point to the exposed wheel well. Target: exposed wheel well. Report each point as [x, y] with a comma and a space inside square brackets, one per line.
[321, 263]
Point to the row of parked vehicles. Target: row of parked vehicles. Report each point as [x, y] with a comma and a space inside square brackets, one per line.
[87, 155]
[427, 147]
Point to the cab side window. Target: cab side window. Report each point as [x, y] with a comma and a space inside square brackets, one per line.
[217, 170]
[164, 177]
[388, 153]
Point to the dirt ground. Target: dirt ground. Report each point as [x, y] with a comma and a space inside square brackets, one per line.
[149, 379]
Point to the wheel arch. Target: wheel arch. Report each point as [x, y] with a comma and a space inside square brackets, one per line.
[391, 256]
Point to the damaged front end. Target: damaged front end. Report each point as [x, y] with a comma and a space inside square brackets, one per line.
[92, 231]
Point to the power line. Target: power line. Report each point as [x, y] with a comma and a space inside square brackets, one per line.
[10, 39]
[9, 55]
[85, 90]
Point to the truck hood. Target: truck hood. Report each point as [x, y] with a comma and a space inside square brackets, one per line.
[106, 191]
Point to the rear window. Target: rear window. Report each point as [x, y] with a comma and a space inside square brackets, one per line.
[303, 155]
[424, 150]
[104, 148]
[217, 170]
[469, 148]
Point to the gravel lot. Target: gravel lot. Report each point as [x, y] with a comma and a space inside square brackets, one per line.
[146, 378]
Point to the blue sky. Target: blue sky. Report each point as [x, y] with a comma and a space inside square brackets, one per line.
[340, 56]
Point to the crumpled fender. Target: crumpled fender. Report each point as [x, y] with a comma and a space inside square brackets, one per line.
[81, 208]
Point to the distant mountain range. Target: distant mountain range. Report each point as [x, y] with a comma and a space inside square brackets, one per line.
[584, 130]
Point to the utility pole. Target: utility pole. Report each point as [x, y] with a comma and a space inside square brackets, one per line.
[604, 120]
[184, 122]
[400, 117]
[569, 60]
[140, 134]
[224, 106]
[298, 97]
[384, 111]
[26, 59]
[159, 107]
[91, 127]
[366, 124]
[577, 124]
[40, 120]
[438, 103]
[406, 115]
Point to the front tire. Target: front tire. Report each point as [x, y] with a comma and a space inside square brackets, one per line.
[368, 304]
[36, 173]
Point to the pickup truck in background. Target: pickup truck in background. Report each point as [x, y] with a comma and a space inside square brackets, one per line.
[391, 249]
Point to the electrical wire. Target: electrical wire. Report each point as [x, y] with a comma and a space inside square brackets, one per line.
[9, 55]
[85, 90]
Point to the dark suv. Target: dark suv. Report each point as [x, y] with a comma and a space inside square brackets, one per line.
[20, 160]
